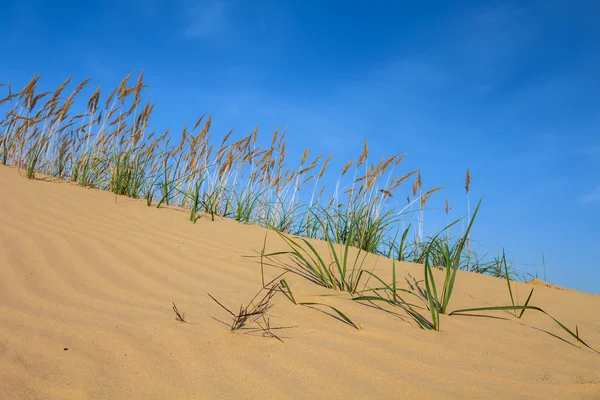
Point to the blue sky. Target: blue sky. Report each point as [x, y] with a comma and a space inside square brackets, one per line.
[508, 89]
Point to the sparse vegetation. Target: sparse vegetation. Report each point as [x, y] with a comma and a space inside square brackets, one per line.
[253, 317]
[340, 273]
[313, 268]
[109, 146]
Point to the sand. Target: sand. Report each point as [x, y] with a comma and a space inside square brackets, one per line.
[87, 281]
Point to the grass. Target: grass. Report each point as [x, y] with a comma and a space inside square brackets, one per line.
[178, 315]
[510, 292]
[340, 316]
[251, 312]
[340, 272]
[107, 144]
[254, 316]
[391, 294]
[452, 259]
[285, 288]
[522, 308]
[336, 275]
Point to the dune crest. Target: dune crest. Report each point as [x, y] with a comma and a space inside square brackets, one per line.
[540, 282]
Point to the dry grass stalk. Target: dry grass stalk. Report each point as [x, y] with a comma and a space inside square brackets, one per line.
[178, 316]
[253, 317]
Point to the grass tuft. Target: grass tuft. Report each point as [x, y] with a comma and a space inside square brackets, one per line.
[253, 317]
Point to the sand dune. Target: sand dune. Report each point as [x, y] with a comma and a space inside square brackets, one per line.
[87, 281]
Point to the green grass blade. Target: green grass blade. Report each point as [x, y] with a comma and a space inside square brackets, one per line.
[341, 268]
[526, 303]
[449, 283]
[402, 245]
[394, 280]
[418, 318]
[390, 289]
[338, 312]
[322, 266]
[316, 267]
[287, 291]
[512, 300]
[432, 295]
[504, 308]
[507, 278]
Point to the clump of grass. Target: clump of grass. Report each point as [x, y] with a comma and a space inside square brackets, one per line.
[342, 272]
[253, 317]
[514, 307]
[452, 259]
[391, 294]
[195, 200]
[523, 308]
[336, 275]
[284, 288]
[251, 312]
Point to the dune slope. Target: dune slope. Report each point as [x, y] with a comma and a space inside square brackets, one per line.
[87, 281]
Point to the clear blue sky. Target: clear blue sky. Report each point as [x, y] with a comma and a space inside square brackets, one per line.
[508, 89]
